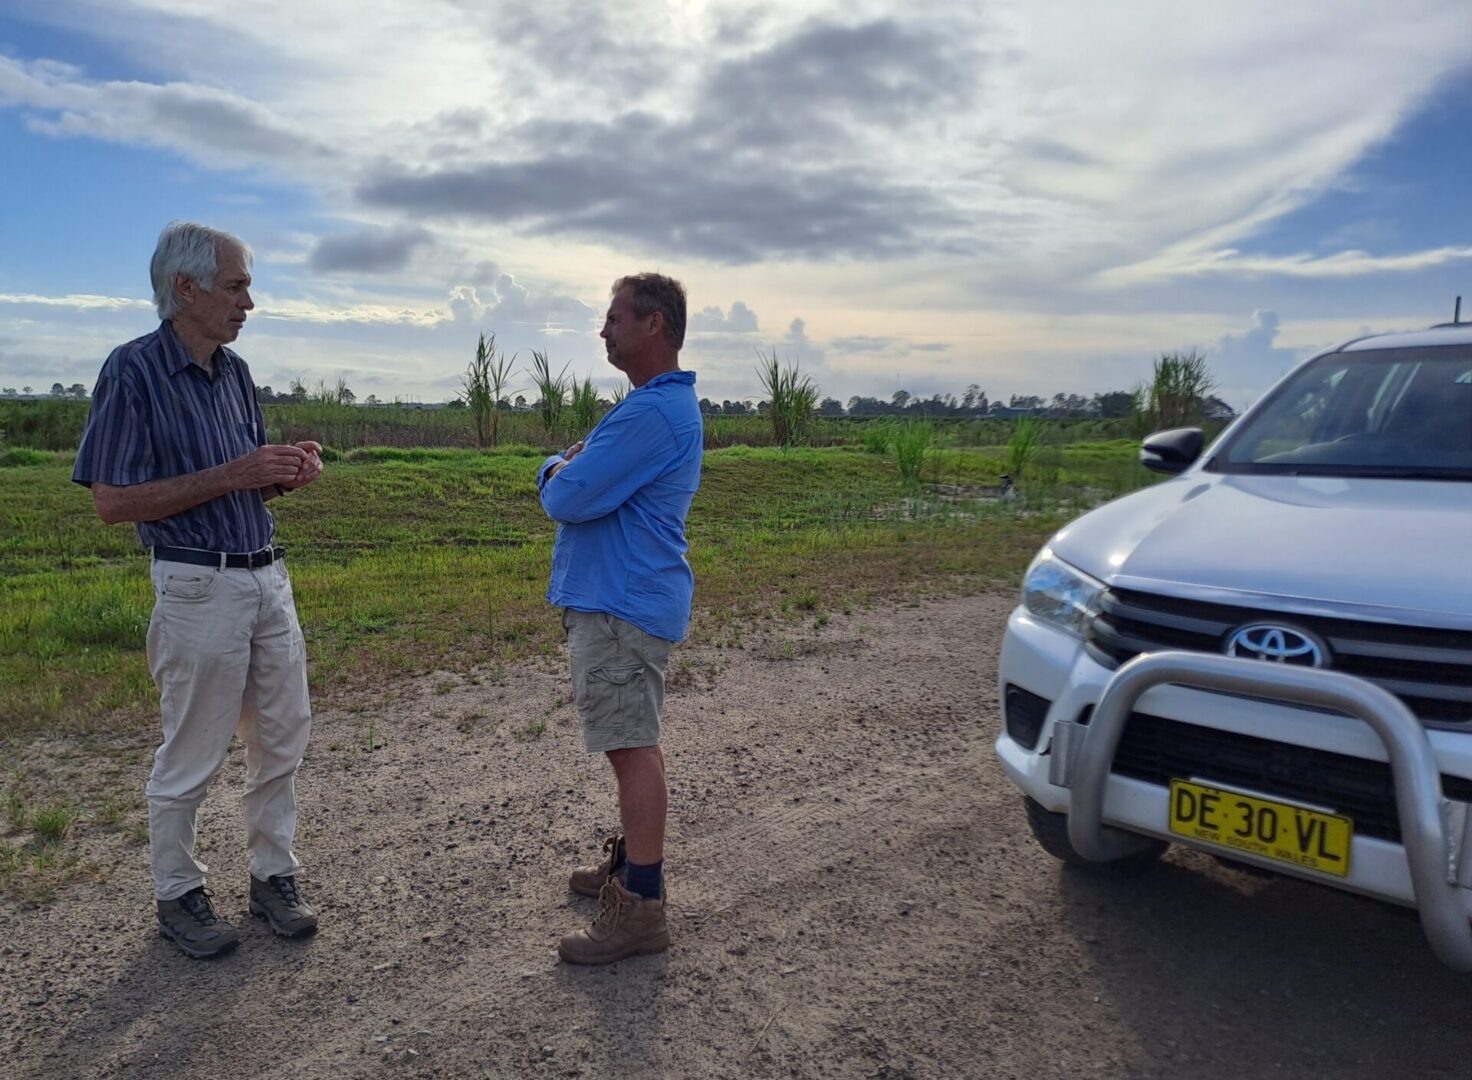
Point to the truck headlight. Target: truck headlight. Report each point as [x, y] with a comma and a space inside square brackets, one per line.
[1056, 593]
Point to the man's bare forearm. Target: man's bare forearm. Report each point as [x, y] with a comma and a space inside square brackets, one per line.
[155, 500]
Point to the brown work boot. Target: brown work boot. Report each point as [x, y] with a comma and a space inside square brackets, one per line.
[626, 925]
[589, 880]
[190, 922]
[278, 902]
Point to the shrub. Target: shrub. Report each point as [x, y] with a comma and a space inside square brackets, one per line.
[911, 446]
[794, 398]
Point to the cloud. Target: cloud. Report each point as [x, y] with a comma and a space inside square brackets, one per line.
[1246, 363]
[741, 320]
[769, 160]
[78, 301]
[371, 250]
[1343, 264]
[508, 301]
[864, 344]
[210, 126]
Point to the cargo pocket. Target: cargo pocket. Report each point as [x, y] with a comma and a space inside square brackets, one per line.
[612, 698]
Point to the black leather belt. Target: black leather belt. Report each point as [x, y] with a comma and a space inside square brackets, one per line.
[253, 560]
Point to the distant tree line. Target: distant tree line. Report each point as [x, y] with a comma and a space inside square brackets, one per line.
[974, 403]
[74, 392]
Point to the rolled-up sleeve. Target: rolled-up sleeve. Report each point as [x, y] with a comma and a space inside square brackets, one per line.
[627, 451]
[117, 445]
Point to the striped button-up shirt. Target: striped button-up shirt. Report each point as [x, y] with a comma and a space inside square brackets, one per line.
[156, 414]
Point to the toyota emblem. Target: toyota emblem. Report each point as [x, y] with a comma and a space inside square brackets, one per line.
[1278, 644]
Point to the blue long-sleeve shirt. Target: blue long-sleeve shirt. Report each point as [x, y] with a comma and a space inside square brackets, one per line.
[620, 506]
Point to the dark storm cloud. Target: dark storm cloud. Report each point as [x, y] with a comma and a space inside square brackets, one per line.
[371, 250]
[209, 118]
[762, 167]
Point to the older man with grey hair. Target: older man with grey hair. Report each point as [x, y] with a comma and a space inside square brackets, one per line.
[176, 444]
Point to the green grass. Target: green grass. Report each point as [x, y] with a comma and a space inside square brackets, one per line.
[408, 560]
[53, 823]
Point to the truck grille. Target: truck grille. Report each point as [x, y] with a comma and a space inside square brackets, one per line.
[1155, 750]
[1428, 669]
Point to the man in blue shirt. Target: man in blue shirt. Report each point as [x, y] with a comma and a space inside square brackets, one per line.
[620, 498]
[175, 442]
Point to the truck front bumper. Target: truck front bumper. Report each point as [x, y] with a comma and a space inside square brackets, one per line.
[1435, 854]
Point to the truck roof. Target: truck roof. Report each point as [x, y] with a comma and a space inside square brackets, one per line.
[1444, 334]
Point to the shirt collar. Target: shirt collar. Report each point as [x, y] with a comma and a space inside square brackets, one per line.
[177, 357]
[687, 377]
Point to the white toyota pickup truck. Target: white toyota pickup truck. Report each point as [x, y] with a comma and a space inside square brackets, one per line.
[1269, 655]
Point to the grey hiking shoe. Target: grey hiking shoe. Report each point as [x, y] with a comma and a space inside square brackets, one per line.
[190, 922]
[626, 925]
[278, 901]
[589, 880]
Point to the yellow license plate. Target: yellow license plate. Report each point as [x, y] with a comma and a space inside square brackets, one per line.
[1271, 830]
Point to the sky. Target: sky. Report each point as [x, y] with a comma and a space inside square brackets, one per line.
[1029, 196]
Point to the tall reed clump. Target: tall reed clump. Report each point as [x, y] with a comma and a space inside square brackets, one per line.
[1022, 447]
[1176, 394]
[554, 391]
[619, 392]
[584, 407]
[911, 446]
[876, 436]
[484, 385]
[793, 396]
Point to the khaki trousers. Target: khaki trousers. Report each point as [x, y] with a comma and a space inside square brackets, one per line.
[227, 655]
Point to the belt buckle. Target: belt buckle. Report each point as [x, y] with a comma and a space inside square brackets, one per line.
[258, 559]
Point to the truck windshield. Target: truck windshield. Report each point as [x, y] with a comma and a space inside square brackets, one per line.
[1391, 412]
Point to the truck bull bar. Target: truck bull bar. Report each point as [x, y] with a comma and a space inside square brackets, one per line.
[1432, 827]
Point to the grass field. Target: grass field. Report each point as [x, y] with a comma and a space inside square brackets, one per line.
[411, 560]
[57, 425]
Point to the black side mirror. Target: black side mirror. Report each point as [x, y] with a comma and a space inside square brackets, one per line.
[1171, 451]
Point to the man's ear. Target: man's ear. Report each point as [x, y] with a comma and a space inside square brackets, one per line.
[656, 322]
[185, 288]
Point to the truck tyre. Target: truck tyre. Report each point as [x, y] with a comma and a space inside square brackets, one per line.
[1051, 831]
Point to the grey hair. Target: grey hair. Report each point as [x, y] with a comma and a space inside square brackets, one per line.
[188, 249]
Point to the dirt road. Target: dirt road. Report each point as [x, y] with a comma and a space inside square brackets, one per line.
[853, 894]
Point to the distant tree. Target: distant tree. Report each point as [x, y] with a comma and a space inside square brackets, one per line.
[265, 395]
[1025, 401]
[298, 392]
[455, 403]
[57, 390]
[8, 391]
[521, 401]
[708, 407]
[78, 391]
[26, 390]
[1217, 409]
[901, 398]
[1114, 405]
[830, 407]
[371, 399]
[1070, 405]
[968, 399]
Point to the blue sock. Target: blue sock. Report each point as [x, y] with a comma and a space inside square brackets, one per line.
[646, 880]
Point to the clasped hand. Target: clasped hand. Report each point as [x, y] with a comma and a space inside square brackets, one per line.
[289, 466]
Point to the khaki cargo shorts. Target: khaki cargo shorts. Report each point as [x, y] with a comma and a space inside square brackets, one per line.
[617, 679]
